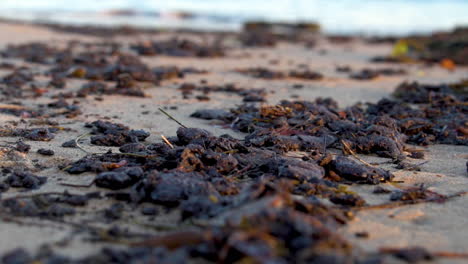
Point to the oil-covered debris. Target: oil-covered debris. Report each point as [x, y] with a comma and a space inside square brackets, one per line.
[380, 190]
[417, 155]
[411, 254]
[179, 48]
[32, 52]
[346, 168]
[267, 34]
[19, 255]
[207, 177]
[111, 134]
[343, 69]
[348, 200]
[382, 128]
[36, 208]
[54, 109]
[45, 205]
[20, 111]
[34, 134]
[416, 194]
[418, 93]
[22, 147]
[403, 165]
[13, 83]
[248, 95]
[105, 255]
[449, 48]
[212, 114]
[305, 75]
[247, 186]
[296, 125]
[204, 165]
[441, 117]
[119, 178]
[46, 152]
[69, 144]
[22, 179]
[96, 30]
[340, 38]
[371, 74]
[124, 69]
[265, 73]
[96, 63]
[258, 38]
[203, 171]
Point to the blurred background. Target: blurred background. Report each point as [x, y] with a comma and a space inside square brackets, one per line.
[381, 17]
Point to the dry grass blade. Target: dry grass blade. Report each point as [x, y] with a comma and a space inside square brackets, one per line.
[78, 143]
[171, 117]
[348, 149]
[167, 141]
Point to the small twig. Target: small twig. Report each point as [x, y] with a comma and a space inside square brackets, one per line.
[78, 143]
[171, 117]
[66, 168]
[232, 151]
[167, 141]
[348, 149]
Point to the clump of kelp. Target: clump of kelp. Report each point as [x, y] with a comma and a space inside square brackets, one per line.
[447, 48]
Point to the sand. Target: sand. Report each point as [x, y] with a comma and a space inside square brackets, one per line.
[439, 227]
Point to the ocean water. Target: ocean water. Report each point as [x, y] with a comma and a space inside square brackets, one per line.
[336, 16]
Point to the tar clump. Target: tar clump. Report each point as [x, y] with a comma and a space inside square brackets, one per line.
[110, 134]
[24, 179]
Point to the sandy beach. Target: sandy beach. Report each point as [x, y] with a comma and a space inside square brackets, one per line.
[438, 227]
